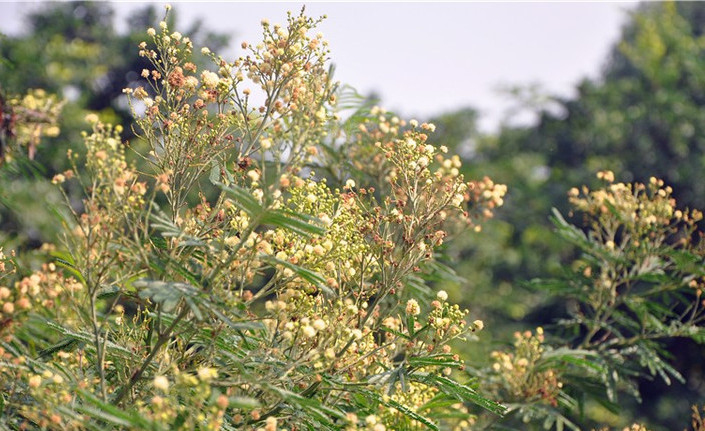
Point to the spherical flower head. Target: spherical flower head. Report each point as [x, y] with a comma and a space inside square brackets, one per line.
[91, 118]
[23, 303]
[309, 331]
[210, 79]
[191, 82]
[206, 373]
[35, 381]
[161, 383]
[442, 295]
[253, 175]
[270, 424]
[479, 324]
[412, 307]
[58, 179]
[606, 176]
[8, 308]
[222, 402]
[319, 324]
[151, 31]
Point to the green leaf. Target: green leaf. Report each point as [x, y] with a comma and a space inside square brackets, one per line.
[293, 221]
[459, 391]
[214, 175]
[194, 308]
[311, 406]
[410, 320]
[109, 413]
[241, 326]
[108, 291]
[410, 413]
[167, 293]
[65, 260]
[67, 345]
[395, 332]
[89, 339]
[244, 402]
[443, 360]
[572, 356]
[388, 402]
[577, 237]
[656, 365]
[242, 199]
[438, 403]
[158, 242]
[308, 275]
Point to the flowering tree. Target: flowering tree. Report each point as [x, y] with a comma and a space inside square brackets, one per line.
[259, 258]
[637, 283]
[260, 268]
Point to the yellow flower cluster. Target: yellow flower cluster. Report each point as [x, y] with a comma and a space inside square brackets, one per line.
[217, 306]
[318, 330]
[198, 405]
[639, 207]
[47, 292]
[518, 374]
[633, 220]
[289, 67]
[116, 181]
[46, 289]
[425, 195]
[54, 387]
[32, 117]
[342, 255]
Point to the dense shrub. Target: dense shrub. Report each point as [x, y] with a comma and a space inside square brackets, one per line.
[262, 256]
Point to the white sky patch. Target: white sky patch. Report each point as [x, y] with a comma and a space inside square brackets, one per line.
[424, 59]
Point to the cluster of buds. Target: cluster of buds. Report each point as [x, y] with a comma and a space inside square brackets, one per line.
[642, 208]
[517, 372]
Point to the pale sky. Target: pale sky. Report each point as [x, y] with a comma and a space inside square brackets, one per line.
[428, 58]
